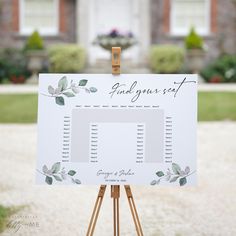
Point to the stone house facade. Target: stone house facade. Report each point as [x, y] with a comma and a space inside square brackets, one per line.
[151, 21]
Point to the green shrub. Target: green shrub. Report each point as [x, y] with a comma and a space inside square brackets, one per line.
[222, 69]
[66, 58]
[34, 42]
[166, 59]
[12, 63]
[193, 40]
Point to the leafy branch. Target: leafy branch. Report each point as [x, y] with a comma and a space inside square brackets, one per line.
[58, 174]
[174, 175]
[64, 89]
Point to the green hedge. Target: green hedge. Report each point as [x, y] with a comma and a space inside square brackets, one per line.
[66, 58]
[166, 59]
[221, 70]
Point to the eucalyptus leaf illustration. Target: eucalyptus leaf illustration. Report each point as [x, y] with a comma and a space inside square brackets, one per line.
[187, 170]
[154, 182]
[58, 178]
[75, 89]
[167, 177]
[48, 180]
[71, 172]
[58, 174]
[45, 169]
[83, 82]
[57, 91]
[56, 167]
[69, 94]
[93, 90]
[182, 181]
[60, 101]
[172, 177]
[176, 169]
[160, 173]
[76, 181]
[67, 89]
[51, 90]
[62, 84]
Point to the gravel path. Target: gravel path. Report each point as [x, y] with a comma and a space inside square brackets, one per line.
[206, 210]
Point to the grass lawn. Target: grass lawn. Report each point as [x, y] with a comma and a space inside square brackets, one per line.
[18, 108]
[22, 108]
[216, 106]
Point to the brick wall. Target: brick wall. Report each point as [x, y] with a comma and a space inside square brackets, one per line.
[223, 26]
[9, 24]
[5, 22]
[226, 29]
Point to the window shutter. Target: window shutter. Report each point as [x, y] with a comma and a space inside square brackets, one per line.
[166, 17]
[213, 16]
[62, 16]
[15, 15]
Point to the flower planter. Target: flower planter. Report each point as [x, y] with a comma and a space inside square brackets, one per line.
[35, 63]
[107, 44]
[35, 59]
[195, 60]
[115, 39]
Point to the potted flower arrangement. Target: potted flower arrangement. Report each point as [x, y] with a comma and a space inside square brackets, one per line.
[17, 75]
[195, 51]
[13, 66]
[36, 54]
[115, 39]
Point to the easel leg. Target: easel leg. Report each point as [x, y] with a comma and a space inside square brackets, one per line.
[133, 210]
[96, 210]
[115, 194]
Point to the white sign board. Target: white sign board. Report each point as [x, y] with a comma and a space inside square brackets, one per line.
[127, 129]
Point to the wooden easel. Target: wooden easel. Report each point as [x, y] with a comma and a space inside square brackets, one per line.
[115, 189]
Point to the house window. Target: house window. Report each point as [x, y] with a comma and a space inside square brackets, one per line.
[190, 13]
[39, 15]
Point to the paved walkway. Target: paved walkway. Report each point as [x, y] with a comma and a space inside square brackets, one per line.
[25, 88]
[206, 210]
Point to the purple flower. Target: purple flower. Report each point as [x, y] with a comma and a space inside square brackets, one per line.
[130, 34]
[114, 33]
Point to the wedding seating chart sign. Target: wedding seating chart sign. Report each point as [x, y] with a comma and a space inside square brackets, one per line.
[115, 130]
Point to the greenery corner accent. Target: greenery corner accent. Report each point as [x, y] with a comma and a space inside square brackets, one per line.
[65, 90]
[176, 174]
[58, 174]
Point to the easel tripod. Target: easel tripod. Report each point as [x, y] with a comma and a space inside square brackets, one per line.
[115, 189]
